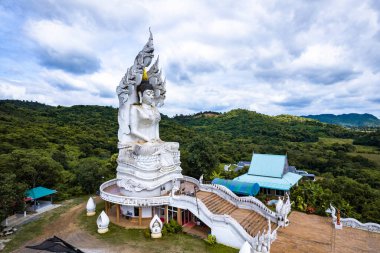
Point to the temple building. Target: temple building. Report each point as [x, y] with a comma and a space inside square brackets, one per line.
[149, 178]
[272, 174]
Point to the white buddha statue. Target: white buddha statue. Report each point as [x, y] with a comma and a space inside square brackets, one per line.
[145, 162]
[144, 117]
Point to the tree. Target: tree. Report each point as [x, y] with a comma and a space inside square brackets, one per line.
[12, 194]
[32, 167]
[201, 158]
[90, 173]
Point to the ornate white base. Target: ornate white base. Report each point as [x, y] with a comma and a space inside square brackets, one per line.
[148, 170]
[102, 230]
[156, 235]
[340, 226]
[91, 213]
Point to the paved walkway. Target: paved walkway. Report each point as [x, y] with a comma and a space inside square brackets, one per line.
[314, 234]
[20, 219]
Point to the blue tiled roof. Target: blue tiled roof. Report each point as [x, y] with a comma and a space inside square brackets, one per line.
[267, 165]
[284, 183]
[238, 168]
[244, 163]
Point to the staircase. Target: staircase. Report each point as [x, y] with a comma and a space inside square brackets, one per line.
[216, 204]
[251, 221]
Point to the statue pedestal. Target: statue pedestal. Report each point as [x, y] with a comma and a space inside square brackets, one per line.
[102, 230]
[149, 169]
[340, 226]
[155, 236]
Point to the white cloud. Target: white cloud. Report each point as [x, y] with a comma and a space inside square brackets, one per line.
[8, 90]
[270, 56]
[59, 36]
[320, 55]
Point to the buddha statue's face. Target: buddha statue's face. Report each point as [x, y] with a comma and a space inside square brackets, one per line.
[147, 97]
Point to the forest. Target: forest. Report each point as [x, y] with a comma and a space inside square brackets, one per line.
[74, 149]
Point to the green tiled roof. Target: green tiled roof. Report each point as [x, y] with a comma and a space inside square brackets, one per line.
[39, 192]
[267, 165]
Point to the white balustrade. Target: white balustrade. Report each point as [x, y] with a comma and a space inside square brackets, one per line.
[212, 220]
[250, 202]
[354, 223]
[131, 201]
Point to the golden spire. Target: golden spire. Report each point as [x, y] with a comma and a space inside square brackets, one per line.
[145, 75]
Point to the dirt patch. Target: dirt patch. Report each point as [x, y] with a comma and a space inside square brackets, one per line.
[67, 228]
[312, 233]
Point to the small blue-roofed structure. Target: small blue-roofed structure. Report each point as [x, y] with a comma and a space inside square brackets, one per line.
[37, 193]
[271, 172]
[239, 188]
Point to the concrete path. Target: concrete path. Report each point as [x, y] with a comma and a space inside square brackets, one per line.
[20, 219]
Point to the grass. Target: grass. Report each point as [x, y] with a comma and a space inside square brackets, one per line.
[372, 157]
[369, 152]
[35, 228]
[119, 236]
[367, 149]
[330, 141]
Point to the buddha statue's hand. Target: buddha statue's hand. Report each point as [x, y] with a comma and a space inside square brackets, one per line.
[159, 140]
[156, 141]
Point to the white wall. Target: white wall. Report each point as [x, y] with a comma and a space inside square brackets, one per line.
[147, 212]
[223, 231]
[225, 235]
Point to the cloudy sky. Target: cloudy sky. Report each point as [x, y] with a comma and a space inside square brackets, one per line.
[273, 57]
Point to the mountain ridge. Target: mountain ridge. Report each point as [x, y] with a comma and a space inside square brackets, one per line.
[348, 120]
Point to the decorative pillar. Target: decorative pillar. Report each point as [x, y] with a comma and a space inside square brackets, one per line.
[117, 212]
[338, 224]
[140, 216]
[179, 216]
[166, 214]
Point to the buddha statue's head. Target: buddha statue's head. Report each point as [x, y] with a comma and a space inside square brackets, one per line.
[146, 93]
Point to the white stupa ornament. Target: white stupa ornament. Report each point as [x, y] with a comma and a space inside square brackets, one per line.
[91, 207]
[103, 221]
[156, 227]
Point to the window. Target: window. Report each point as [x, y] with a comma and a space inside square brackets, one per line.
[279, 192]
[136, 211]
[265, 191]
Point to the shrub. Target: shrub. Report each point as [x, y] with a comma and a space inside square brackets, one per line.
[211, 239]
[172, 227]
[164, 231]
[147, 233]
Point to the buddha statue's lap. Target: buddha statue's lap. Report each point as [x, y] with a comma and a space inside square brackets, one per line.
[154, 148]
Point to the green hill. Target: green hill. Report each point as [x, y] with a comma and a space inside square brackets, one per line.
[74, 149]
[348, 120]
